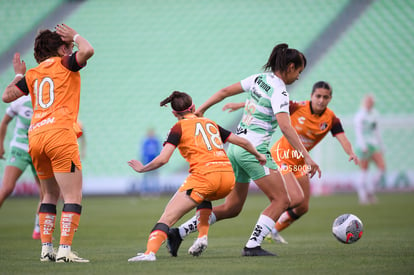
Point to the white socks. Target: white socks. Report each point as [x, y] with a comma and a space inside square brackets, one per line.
[190, 226]
[263, 226]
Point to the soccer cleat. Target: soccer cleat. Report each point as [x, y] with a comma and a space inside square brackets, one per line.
[276, 237]
[256, 251]
[48, 254]
[199, 245]
[141, 257]
[35, 235]
[65, 255]
[174, 241]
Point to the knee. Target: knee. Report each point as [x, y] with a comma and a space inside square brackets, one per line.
[283, 202]
[297, 199]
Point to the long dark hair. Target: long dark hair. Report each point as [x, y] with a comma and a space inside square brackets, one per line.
[179, 101]
[322, 84]
[282, 56]
[47, 44]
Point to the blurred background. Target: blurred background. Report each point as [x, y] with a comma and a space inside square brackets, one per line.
[146, 49]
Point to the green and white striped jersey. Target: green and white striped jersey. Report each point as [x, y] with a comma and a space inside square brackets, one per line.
[23, 111]
[366, 128]
[267, 96]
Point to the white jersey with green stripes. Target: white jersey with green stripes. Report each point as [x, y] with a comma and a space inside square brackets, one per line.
[267, 96]
[23, 111]
[366, 128]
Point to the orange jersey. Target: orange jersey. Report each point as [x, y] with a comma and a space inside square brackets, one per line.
[310, 127]
[54, 86]
[200, 142]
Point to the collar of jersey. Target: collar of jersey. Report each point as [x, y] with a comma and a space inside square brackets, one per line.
[189, 116]
[312, 112]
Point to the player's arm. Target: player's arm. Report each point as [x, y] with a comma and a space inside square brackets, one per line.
[3, 130]
[347, 146]
[223, 93]
[159, 161]
[233, 106]
[12, 92]
[246, 145]
[283, 119]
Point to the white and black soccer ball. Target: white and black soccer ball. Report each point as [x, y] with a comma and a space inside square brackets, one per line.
[347, 228]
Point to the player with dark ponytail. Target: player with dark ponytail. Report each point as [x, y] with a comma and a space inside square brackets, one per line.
[266, 107]
[200, 142]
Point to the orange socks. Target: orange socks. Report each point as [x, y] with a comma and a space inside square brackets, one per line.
[203, 217]
[47, 217]
[69, 222]
[157, 237]
[203, 214]
[286, 219]
[280, 226]
[155, 240]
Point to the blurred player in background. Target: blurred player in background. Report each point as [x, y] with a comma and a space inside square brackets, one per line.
[150, 149]
[54, 86]
[369, 149]
[18, 158]
[266, 107]
[200, 142]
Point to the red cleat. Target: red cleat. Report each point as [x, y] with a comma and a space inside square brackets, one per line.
[36, 235]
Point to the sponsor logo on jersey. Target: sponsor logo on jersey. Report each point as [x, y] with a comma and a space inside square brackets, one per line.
[323, 126]
[301, 120]
[47, 121]
[241, 130]
[266, 87]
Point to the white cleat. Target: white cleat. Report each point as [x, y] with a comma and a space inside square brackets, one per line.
[65, 255]
[276, 237]
[141, 257]
[199, 245]
[48, 254]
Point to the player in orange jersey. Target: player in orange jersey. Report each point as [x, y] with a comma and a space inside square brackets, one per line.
[312, 120]
[200, 141]
[54, 86]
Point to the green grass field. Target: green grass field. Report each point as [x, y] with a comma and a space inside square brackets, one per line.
[114, 229]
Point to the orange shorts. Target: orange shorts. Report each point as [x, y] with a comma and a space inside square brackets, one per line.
[210, 186]
[54, 151]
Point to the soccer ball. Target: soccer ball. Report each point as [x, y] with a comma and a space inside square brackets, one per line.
[347, 228]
